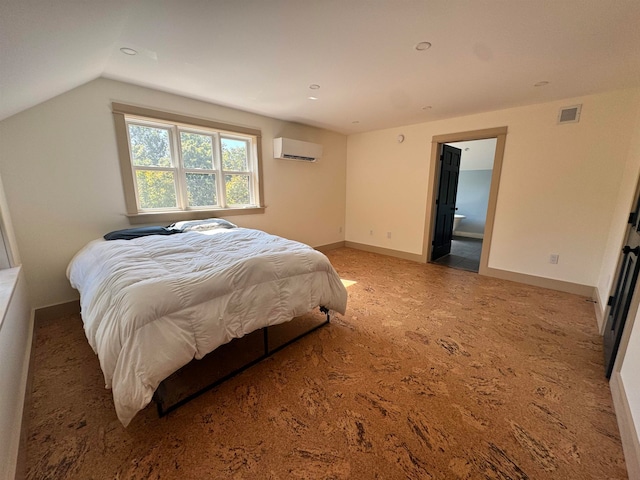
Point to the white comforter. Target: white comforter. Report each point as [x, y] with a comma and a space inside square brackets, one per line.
[152, 304]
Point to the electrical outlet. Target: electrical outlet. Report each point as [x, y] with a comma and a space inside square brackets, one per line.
[388, 234]
[553, 258]
[340, 230]
[370, 232]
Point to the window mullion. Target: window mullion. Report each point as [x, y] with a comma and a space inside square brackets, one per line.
[181, 179]
[253, 167]
[217, 164]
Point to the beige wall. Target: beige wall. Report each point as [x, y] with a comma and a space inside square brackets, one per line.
[620, 215]
[558, 188]
[62, 179]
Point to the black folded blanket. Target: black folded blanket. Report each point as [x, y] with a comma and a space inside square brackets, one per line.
[187, 226]
[131, 233]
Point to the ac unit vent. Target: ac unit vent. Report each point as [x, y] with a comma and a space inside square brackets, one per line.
[570, 114]
[296, 150]
[298, 157]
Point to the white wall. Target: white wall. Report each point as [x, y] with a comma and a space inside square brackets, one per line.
[630, 364]
[629, 371]
[558, 187]
[16, 330]
[620, 215]
[63, 183]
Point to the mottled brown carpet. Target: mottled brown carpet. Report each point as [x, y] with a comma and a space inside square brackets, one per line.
[433, 373]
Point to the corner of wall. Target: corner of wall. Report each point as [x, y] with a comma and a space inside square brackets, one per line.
[628, 433]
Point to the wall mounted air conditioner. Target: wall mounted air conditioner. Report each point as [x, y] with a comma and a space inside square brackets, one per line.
[296, 150]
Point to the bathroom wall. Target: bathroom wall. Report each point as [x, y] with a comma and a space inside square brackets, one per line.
[476, 167]
[472, 201]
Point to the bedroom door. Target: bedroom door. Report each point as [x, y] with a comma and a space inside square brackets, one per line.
[620, 300]
[446, 201]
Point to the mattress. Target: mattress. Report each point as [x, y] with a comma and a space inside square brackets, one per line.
[152, 304]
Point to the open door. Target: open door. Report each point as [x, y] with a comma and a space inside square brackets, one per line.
[446, 201]
[620, 300]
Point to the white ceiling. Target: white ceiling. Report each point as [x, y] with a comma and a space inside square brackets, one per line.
[262, 55]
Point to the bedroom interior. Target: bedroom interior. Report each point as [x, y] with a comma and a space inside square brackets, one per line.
[424, 356]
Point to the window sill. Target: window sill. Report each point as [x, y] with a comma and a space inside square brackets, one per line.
[178, 216]
[8, 281]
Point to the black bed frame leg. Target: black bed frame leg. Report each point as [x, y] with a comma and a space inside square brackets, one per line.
[325, 310]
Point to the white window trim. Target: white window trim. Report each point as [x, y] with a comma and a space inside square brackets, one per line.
[123, 114]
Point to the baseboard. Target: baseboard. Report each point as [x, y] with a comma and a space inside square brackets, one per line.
[384, 251]
[329, 247]
[550, 283]
[458, 233]
[21, 462]
[628, 432]
[598, 310]
[53, 312]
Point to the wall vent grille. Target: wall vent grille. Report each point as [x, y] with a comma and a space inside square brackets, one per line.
[570, 114]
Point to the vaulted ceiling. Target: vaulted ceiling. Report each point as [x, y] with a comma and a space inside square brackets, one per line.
[263, 55]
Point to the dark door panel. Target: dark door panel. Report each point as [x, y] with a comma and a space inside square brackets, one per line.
[620, 302]
[446, 201]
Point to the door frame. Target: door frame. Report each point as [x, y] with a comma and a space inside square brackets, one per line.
[635, 298]
[500, 134]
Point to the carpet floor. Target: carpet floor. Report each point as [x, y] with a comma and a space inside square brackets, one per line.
[433, 373]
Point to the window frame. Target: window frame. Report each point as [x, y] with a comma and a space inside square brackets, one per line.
[124, 114]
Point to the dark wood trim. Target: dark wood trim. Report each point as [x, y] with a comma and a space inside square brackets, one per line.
[550, 283]
[180, 215]
[124, 158]
[415, 257]
[329, 246]
[128, 182]
[500, 134]
[150, 113]
[53, 312]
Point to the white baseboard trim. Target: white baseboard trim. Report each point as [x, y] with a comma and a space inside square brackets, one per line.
[458, 233]
[628, 432]
[599, 309]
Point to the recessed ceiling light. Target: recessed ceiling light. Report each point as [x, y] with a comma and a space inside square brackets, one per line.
[423, 46]
[128, 51]
[314, 86]
[541, 84]
[312, 98]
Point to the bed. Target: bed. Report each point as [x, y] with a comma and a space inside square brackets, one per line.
[150, 305]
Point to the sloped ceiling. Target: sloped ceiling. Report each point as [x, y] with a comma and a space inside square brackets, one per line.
[262, 55]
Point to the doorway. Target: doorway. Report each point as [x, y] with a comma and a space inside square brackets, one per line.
[471, 186]
[499, 136]
[623, 288]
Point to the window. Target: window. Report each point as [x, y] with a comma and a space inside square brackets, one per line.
[4, 253]
[176, 167]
